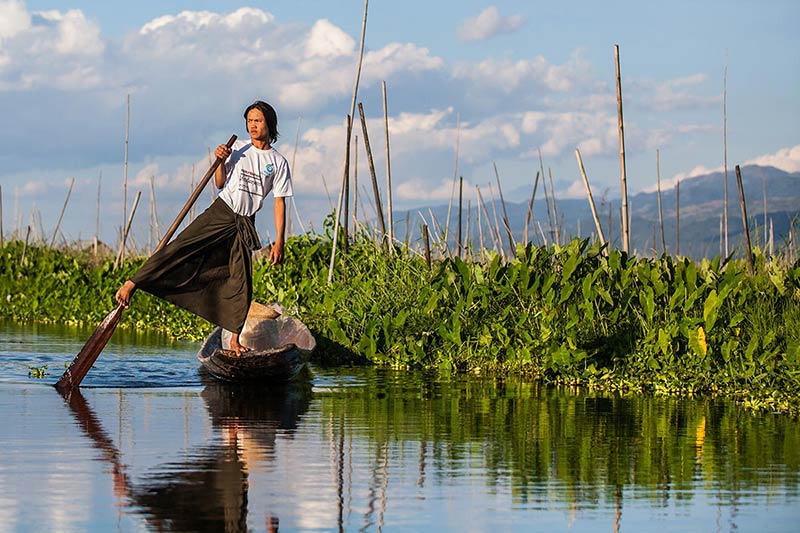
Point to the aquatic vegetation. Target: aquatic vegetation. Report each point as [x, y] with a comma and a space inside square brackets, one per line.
[37, 372]
[564, 314]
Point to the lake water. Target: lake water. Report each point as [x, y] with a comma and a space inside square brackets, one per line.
[151, 444]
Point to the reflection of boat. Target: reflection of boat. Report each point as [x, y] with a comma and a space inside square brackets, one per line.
[281, 347]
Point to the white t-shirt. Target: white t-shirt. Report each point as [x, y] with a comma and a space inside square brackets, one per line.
[250, 175]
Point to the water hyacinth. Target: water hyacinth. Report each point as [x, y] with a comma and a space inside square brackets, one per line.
[565, 314]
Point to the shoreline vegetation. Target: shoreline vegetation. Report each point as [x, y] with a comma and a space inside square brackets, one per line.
[578, 314]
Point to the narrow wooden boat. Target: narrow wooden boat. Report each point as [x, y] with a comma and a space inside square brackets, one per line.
[283, 345]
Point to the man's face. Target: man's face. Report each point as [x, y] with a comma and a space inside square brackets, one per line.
[257, 125]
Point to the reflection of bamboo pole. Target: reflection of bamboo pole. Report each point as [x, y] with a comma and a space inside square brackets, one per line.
[375, 190]
[121, 256]
[63, 208]
[626, 238]
[389, 220]
[591, 202]
[743, 205]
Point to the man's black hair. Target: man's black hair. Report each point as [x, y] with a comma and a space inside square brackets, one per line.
[270, 116]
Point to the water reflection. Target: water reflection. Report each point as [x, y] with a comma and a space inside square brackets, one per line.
[206, 488]
[370, 449]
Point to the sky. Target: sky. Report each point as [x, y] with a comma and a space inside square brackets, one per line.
[470, 85]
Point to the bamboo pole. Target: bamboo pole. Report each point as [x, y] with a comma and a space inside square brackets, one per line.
[546, 197]
[191, 188]
[497, 222]
[338, 208]
[529, 215]
[746, 227]
[511, 242]
[25, 247]
[460, 207]
[151, 222]
[455, 174]
[468, 246]
[355, 180]
[2, 242]
[660, 210]
[764, 196]
[426, 241]
[405, 239]
[17, 226]
[63, 208]
[327, 192]
[597, 225]
[346, 196]
[678, 218]
[213, 188]
[626, 238]
[126, 230]
[125, 172]
[480, 231]
[388, 172]
[97, 215]
[375, 190]
[289, 226]
[725, 147]
[555, 211]
[488, 220]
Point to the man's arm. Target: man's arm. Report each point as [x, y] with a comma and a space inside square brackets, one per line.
[276, 253]
[222, 152]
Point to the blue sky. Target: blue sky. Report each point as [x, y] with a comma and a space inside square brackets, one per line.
[521, 77]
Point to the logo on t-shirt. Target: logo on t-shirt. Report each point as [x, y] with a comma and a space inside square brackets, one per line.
[269, 170]
[250, 182]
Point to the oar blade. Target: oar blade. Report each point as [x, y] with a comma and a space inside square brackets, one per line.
[80, 366]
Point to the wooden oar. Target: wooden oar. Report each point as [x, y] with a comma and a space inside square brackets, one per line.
[73, 376]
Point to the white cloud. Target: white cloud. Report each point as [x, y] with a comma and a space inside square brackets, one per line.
[48, 49]
[327, 40]
[488, 24]
[14, 18]
[508, 76]
[593, 133]
[786, 159]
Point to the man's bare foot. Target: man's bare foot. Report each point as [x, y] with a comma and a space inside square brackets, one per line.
[123, 296]
[237, 348]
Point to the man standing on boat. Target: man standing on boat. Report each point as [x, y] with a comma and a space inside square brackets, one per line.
[207, 269]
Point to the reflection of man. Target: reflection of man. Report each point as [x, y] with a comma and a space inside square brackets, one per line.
[207, 269]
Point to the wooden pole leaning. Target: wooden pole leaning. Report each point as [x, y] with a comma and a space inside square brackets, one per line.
[80, 366]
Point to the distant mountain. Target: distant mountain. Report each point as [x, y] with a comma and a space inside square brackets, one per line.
[701, 206]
